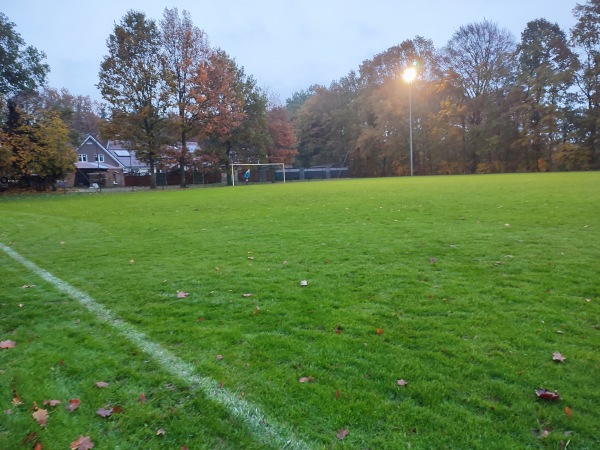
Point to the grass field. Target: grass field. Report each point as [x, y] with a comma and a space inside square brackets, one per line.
[463, 287]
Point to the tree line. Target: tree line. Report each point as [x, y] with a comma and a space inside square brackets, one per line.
[484, 103]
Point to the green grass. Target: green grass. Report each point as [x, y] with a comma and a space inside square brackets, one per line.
[475, 282]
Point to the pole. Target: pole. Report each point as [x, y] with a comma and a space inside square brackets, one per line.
[410, 126]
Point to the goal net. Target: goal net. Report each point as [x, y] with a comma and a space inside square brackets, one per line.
[270, 172]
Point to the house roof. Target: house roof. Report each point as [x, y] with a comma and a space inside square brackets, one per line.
[127, 158]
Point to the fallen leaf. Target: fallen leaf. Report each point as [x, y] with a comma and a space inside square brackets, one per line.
[104, 412]
[544, 434]
[250, 257]
[219, 357]
[338, 330]
[51, 402]
[304, 283]
[73, 404]
[82, 443]
[306, 380]
[558, 357]
[342, 433]
[21, 305]
[142, 398]
[16, 401]
[432, 260]
[338, 394]
[160, 432]
[131, 261]
[568, 411]
[546, 394]
[246, 295]
[7, 344]
[200, 319]
[27, 286]
[38, 446]
[379, 331]
[181, 294]
[402, 382]
[41, 416]
[31, 437]
[101, 384]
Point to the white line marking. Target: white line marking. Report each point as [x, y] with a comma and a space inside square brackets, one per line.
[261, 427]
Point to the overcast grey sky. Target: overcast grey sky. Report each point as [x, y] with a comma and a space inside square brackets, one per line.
[286, 45]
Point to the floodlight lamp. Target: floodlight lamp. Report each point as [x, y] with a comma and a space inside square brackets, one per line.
[410, 73]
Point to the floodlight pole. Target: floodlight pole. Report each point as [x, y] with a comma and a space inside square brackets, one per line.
[410, 126]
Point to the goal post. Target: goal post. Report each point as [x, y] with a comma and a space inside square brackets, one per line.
[248, 165]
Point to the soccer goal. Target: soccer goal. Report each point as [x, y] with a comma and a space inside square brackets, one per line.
[236, 166]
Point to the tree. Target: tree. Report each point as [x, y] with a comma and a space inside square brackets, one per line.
[38, 149]
[478, 63]
[585, 35]
[283, 137]
[546, 67]
[186, 50]
[134, 81]
[21, 68]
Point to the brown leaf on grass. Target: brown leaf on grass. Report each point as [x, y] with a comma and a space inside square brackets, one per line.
[568, 411]
[82, 443]
[338, 330]
[402, 382]
[142, 398]
[379, 331]
[219, 357]
[342, 433]
[306, 380]
[104, 412]
[51, 402]
[338, 393]
[38, 446]
[546, 394]
[556, 356]
[41, 416]
[181, 294]
[7, 344]
[101, 384]
[16, 401]
[73, 404]
[544, 434]
[31, 437]
[160, 432]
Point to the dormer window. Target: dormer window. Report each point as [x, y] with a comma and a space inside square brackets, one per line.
[99, 158]
[82, 157]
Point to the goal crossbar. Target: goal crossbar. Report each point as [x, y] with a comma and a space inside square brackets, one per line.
[234, 165]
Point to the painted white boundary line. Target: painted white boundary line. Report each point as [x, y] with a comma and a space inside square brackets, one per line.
[264, 429]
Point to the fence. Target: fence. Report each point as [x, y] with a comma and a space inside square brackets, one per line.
[174, 179]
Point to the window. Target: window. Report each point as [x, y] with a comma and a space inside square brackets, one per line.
[82, 157]
[99, 158]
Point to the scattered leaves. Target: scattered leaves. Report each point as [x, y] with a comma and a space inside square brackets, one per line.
[546, 394]
[568, 411]
[402, 382]
[41, 416]
[342, 433]
[82, 443]
[101, 384]
[73, 404]
[556, 356]
[7, 344]
[181, 294]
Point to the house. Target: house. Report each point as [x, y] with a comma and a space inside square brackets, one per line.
[95, 165]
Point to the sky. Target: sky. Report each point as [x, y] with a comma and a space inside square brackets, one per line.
[285, 45]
